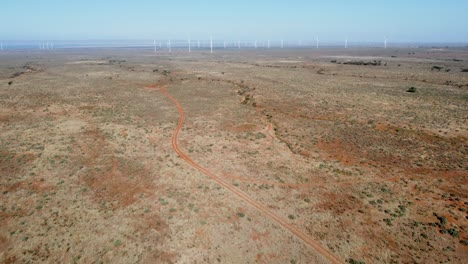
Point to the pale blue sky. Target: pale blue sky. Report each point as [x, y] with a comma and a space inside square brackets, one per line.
[331, 20]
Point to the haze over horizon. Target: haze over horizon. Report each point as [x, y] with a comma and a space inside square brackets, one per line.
[360, 21]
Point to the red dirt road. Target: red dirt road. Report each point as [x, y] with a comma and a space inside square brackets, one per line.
[282, 222]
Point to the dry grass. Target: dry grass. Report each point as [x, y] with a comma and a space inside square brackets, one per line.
[341, 152]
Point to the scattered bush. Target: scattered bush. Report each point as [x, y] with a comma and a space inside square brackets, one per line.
[365, 63]
[442, 220]
[411, 89]
[388, 221]
[353, 261]
[453, 232]
[16, 74]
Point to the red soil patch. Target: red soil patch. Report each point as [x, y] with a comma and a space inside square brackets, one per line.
[346, 153]
[260, 237]
[241, 128]
[117, 185]
[110, 178]
[339, 203]
[160, 257]
[11, 162]
[36, 185]
[3, 244]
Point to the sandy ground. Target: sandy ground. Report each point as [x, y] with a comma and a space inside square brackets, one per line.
[283, 156]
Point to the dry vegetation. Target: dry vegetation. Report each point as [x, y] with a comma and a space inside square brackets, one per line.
[333, 141]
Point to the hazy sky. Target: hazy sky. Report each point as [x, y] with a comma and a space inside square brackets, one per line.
[331, 20]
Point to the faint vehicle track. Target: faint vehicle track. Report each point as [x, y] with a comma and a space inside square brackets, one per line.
[282, 222]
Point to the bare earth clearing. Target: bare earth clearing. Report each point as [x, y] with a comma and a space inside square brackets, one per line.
[265, 156]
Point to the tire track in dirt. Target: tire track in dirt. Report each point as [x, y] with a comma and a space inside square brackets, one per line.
[326, 253]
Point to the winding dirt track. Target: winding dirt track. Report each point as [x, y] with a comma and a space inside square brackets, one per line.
[282, 222]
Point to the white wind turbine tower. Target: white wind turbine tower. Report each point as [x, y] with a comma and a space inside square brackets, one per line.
[268, 43]
[198, 41]
[385, 41]
[255, 44]
[154, 45]
[189, 45]
[211, 44]
[238, 44]
[169, 45]
[346, 43]
[317, 42]
[282, 43]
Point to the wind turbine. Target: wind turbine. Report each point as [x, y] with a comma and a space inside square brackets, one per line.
[169, 45]
[211, 44]
[282, 43]
[268, 43]
[255, 44]
[189, 45]
[238, 44]
[385, 42]
[317, 42]
[154, 45]
[346, 43]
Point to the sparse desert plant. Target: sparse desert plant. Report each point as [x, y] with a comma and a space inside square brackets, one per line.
[412, 89]
[353, 261]
[453, 232]
[388, 221]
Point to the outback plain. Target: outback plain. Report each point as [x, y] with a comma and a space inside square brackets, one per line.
[241, 156]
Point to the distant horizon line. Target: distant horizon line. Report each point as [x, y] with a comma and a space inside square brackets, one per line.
[286, 40]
